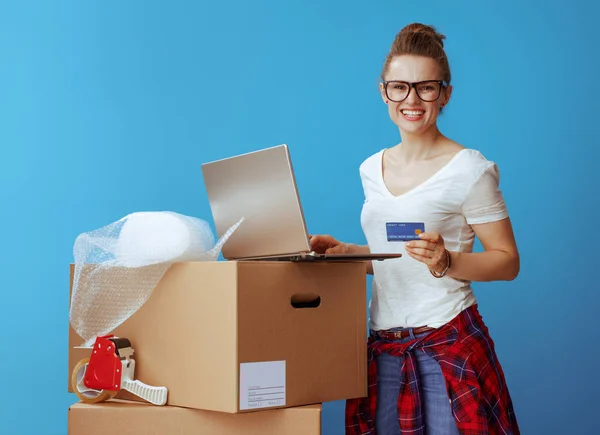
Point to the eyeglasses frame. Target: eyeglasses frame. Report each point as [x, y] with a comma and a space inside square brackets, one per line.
[414, 85]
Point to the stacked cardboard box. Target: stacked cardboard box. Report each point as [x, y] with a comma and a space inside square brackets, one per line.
[243, 347]
[134, 418]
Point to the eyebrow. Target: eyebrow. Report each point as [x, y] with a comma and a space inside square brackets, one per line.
[418, 81]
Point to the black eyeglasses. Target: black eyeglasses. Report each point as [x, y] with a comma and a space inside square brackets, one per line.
[429, 90]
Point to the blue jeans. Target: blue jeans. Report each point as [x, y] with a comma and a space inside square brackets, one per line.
[437, 413]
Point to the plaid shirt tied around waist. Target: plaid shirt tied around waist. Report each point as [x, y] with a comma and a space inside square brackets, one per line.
[479, 397]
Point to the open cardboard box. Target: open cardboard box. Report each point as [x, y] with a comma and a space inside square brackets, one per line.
[143, 419]
[230, 336]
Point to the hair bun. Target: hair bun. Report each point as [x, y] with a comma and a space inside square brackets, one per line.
[422, 30]
[419, 40]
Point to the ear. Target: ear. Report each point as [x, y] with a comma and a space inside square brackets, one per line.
[382, 92]
[447, 94]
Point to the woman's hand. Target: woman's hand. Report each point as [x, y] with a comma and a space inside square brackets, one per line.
[430, 250]
[325, 244]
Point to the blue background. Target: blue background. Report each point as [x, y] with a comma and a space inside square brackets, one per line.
[107, 108]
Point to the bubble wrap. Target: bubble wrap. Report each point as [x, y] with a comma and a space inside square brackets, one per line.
[118, 266]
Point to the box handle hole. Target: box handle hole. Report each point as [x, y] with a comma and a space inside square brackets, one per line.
[306, 300]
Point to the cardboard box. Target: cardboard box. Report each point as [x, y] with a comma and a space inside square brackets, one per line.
[218, 334]
[136, 418]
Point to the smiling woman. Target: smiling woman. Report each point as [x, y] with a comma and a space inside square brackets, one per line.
[432, 364]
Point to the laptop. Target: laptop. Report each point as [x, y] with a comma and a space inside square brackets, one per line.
[260, 187]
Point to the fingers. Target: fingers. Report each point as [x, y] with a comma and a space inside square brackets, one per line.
[340, 248]
[315, 240]
[424, 252]
[321, 243]
[431, 237]
[317, 245]
[420, 258]
[428, 250]
[421, 244]
[430, 258]
[429, 243]
[428, 254]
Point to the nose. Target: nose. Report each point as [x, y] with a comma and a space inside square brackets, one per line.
[412, 95]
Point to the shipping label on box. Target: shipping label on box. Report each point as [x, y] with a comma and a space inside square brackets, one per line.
[262, 385]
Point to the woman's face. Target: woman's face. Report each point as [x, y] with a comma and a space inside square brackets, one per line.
[414, 114]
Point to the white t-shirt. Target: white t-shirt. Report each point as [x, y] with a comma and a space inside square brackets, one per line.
[465, 191]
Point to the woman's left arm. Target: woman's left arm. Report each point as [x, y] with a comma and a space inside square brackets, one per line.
[485, 211]
[499, 262]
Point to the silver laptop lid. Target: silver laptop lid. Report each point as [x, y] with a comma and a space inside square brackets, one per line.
[259, 186]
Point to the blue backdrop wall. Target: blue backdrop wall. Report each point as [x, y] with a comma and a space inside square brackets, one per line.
[107, 108]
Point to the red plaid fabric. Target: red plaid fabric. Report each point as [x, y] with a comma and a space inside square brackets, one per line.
[480, 401]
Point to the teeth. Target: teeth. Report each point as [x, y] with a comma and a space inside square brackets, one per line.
[413, 112]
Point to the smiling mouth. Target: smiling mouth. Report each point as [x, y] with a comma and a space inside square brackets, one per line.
[412, 112]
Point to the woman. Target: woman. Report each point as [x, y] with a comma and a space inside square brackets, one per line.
[432, 364]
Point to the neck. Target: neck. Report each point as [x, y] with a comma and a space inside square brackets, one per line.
[418, 146]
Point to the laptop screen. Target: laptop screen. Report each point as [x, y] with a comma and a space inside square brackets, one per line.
[259, 186]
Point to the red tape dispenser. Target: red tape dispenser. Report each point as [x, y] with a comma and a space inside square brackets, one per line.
[110, 369]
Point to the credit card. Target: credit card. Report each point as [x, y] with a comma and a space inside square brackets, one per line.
[404, 231]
